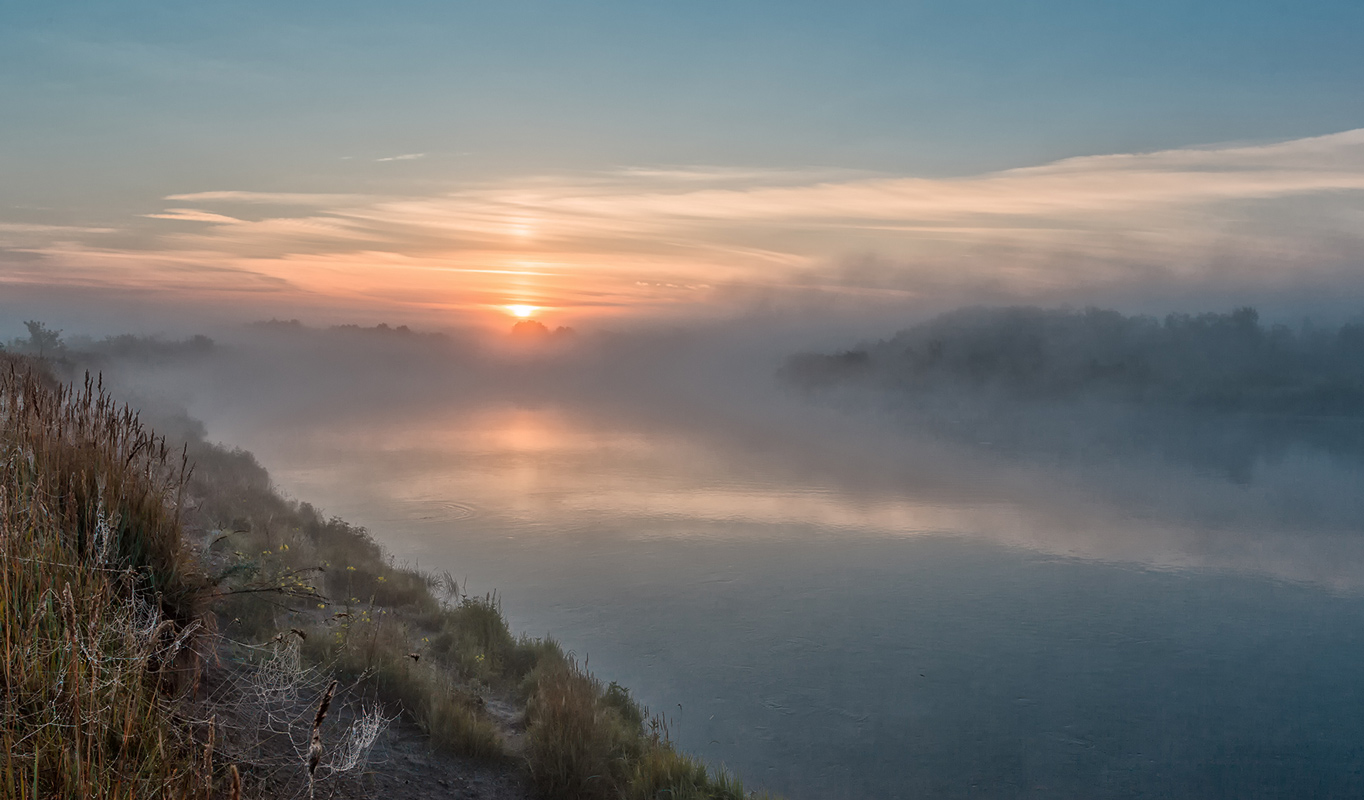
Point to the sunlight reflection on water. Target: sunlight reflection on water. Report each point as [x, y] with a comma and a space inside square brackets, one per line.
[542, 468]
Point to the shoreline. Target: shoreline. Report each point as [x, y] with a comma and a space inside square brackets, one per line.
[415, 656]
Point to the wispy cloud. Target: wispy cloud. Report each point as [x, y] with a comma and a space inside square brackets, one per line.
[270, 198]
[403, 157]
[193, 215]
[1237, 217]
[36, 228]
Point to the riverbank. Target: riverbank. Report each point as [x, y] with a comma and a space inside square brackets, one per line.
[281, 652]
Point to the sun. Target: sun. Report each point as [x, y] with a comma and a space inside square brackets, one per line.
[521, 311]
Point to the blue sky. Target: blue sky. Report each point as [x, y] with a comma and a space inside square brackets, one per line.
[109, 107]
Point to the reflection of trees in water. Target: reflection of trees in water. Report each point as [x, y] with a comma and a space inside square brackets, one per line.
[1234, 446]
[1228, 446]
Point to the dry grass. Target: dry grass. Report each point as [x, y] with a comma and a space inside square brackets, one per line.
[99, 600]
[104, 614]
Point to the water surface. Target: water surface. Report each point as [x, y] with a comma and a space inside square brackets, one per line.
[835, 620]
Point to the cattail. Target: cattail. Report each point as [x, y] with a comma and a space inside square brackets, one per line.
[234, 791]
[315, 747]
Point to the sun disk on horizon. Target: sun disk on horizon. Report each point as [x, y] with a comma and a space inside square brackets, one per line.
[522, 311]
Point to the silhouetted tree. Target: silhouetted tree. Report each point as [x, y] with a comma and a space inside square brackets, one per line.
[42, 339]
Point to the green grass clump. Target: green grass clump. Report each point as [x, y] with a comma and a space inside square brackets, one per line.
[472, 639]
[662, 773]
[593, 742]
[99, 600]
[376, 645]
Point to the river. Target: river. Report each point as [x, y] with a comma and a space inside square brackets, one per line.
[886, 617]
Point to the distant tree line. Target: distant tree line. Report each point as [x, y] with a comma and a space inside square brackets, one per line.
[380, 331]
[1225, 362]
[45, 342]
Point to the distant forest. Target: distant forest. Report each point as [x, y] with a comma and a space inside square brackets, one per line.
[1212, 362]
[45, 342]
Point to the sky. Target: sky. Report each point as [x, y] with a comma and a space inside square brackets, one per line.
[617, 162]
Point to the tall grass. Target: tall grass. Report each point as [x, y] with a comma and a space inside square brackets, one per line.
[99, 600]
[385, 651]
[595, 742]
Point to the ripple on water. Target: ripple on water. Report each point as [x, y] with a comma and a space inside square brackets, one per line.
[438, 511]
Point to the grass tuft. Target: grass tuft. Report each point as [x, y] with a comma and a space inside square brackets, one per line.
[593, 742]
[100, 602]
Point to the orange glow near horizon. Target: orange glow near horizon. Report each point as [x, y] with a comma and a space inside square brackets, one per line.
[522, 311]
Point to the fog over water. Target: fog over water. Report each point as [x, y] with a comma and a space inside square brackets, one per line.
[828, 450]
[841, 594]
